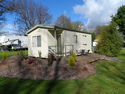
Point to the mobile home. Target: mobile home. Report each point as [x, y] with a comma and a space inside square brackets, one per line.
[13, 42]
[44, 40]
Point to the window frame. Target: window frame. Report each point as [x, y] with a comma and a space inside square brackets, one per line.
[36, 42]
[39, 41]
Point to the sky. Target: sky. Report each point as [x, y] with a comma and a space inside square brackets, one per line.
[91, 12]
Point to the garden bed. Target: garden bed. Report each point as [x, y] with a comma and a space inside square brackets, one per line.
[36, 68]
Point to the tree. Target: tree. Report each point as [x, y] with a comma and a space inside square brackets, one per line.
[30, 14]
[119, 19]
[111, 41]
[98, 30]
[5, 6]
[93, 36]
[78, 26]
[65, 22]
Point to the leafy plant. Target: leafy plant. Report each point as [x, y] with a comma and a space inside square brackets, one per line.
[22, 54]
[110, 42]
[119, 19]
[71, 61]
[5, 55]
[40, 54]
[73, 54]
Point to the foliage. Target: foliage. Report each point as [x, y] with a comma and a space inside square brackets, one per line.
[93, 36]
[110, 42]
[51, 58]
[29, 13]
[65, 22]
[72, 58]
[22, 54]
[5, 6]
[98, 30]
[40, 54]
[6, 54]
[119, 19]
[71, 61]
[78, 25]
[72, 53]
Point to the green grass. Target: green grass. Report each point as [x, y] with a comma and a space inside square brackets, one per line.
[5, 54]
[109, 79]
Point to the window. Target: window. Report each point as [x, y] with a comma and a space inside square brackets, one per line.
[76, 38]
[36, 41]
[84, 36]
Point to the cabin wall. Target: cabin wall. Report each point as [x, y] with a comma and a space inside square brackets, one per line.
[80, 41]
[34, 51]
[51, 40]
[46, 40]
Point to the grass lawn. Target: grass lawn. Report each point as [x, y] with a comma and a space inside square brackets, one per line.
[110, 79]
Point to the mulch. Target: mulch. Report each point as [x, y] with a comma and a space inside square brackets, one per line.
[39, 69]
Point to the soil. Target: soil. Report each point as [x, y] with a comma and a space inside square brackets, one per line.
[40, 69]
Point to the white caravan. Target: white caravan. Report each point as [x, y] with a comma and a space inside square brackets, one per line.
[13, 41]
[43, 40]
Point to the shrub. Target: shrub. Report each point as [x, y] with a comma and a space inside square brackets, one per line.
[51, 58]
[73, 54]
[71, 61]
[5, 55]
[110, 42]
[22, 54]
[40, 54]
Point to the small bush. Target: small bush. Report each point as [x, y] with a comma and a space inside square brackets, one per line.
[22, 54]
[5, 55]
[74, 55]
[71, 61]
[40, 54]
[51, 58]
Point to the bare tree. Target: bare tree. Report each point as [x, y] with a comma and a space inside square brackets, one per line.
[78, 26]
[5, 6]
[30, 13]
[65, 22]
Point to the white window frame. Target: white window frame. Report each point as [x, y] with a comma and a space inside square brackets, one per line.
[39, 41]
[36, 41]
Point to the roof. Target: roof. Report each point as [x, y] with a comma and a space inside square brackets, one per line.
[54, 27]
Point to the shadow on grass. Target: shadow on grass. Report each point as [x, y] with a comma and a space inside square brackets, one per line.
[20, 86]
[15, 86]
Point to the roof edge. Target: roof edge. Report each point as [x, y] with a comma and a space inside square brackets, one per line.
[54, 27]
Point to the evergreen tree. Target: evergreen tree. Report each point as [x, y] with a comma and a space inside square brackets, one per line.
[93, 36]
[111, 41]
[119, 19]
